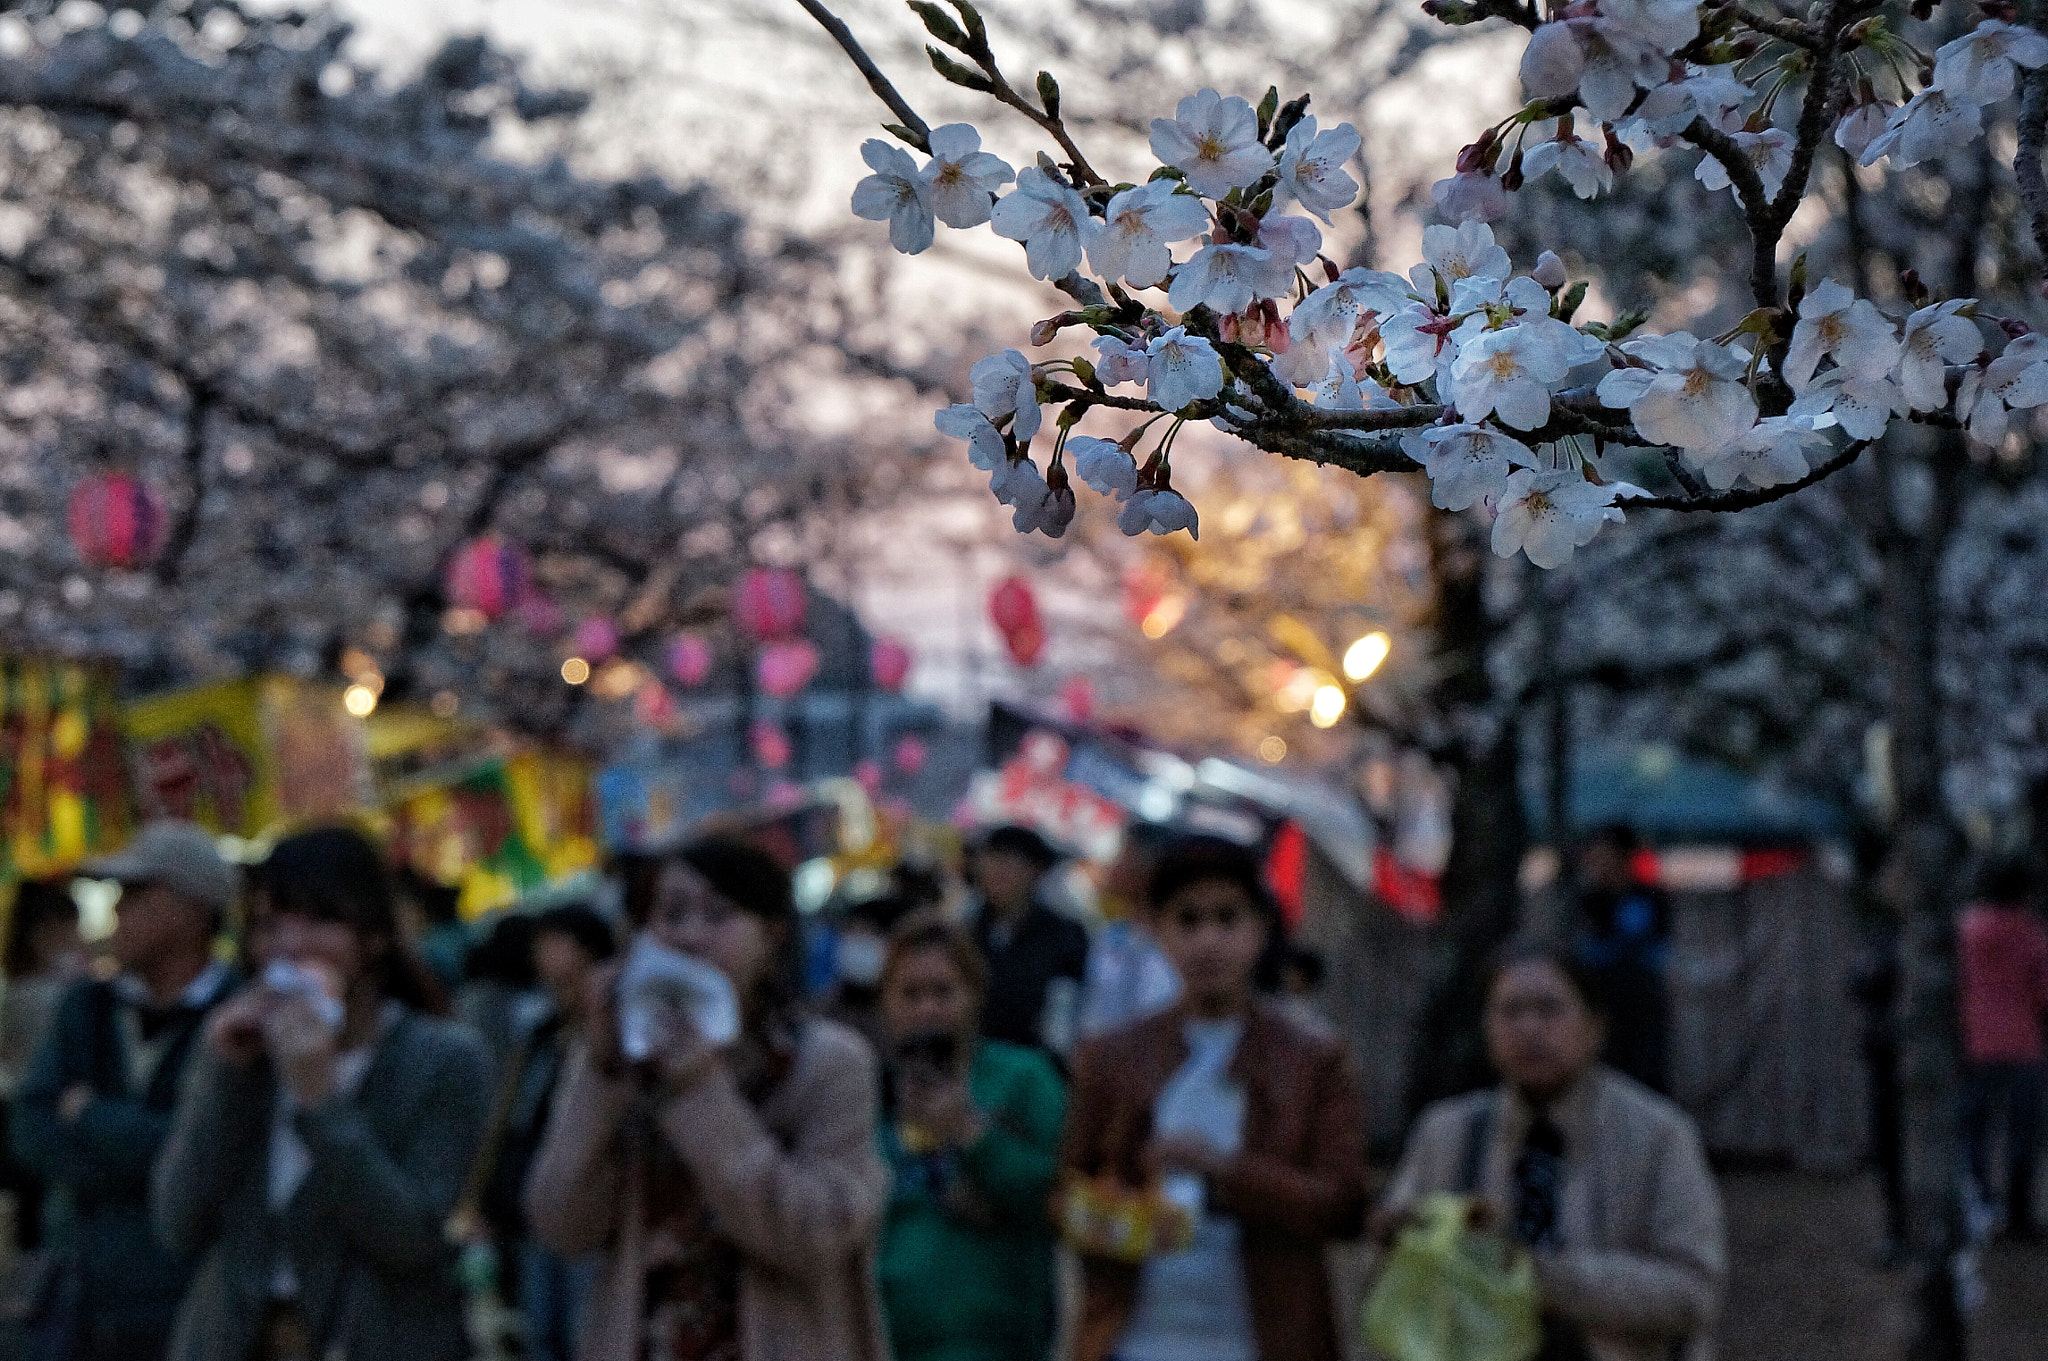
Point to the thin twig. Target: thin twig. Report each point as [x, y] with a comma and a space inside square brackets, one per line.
[2033, 141]
[877, 82]
[1750, 497]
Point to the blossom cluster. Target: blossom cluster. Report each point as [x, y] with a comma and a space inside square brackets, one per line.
[1610, 79]
[1478, 371]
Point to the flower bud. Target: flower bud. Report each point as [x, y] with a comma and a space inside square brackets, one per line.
[1042, 333]
[1915, 288]
[1479, 157]
[1550, 271]
[1511, 178]
[1620, 155]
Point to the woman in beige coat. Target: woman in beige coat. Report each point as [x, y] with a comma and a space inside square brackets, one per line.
[735, 1191]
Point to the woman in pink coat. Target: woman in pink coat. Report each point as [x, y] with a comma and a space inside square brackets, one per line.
[735, 1190]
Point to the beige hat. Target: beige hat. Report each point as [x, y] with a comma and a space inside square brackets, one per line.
[177, 855]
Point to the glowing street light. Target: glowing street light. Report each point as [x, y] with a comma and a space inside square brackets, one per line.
[359, 700]
[575, 671]
[1327, 707]
[1364, 657]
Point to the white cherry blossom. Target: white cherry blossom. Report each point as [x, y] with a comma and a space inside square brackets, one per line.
[1470, 197]
[1508, 374]
[1836, 323]
[1415, 345]
[1312, 169]
[1549, 513]
[1466, 463]
[1003, 384]
[1927, 125]
[1214, 141]
[1861, 126]
[1017, 482]
[2016, 380]
[1454, 253]
[1293, 240]
[1863, 404]
[1694, 399]
[1550, 272]
[963, 178]
[1048, 218]
[1341, 389]
[1326, 319]
[896, 194]
[1774, 451]
[1184, 369]
[1935, 337]
[1580, 163]
[1709, 92]
[1227, 277]
[1130, 243]
[985, 447]
[1769, 153]
[1978, 68]
[1119, 361]
[1159, 512]
[1104, 465]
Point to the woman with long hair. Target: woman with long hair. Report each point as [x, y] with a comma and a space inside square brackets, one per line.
[734, 1188]
[324, 1134]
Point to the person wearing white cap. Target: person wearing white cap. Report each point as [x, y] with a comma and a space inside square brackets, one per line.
[96, 1105]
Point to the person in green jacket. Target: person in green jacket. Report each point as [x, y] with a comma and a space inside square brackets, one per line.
[971, 1131]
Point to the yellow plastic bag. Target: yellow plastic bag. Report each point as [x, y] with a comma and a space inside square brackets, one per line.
[1448, 1294]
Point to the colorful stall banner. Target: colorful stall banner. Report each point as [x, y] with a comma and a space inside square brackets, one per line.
[499, 828]
[248, 757]
[63, 784]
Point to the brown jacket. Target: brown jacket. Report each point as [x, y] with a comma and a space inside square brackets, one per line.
[1645, 1250]
[1297, 1183]
[797, 1184]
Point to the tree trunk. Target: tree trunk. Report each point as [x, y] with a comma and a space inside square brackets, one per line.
[1488, 831]
[1916, 504]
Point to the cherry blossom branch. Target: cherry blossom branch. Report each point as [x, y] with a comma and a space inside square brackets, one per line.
[2033, 144]
[1785, 30]
[879, 83]
[1814, 117]
[1748, 498]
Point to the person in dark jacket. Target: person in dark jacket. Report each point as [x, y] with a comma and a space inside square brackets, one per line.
[96, 1105]
[324, 1134]
[1625, 945]
[1225, 1107]
[1036, 956]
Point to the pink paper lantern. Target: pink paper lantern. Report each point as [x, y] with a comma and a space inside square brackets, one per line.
[117, 520]
[770, 743]
[768, 603]
[785, 668]
[889, 664]
[910, 754]
[597, 639]
[689, 659]
[488, 575]
[868, 775]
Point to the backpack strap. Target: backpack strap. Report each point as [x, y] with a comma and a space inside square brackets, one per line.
[1472, 1165]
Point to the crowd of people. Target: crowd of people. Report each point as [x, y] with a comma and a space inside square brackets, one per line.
[289, 1149]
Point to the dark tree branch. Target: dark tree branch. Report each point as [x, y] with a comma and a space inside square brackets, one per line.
[1748, 497]
[200, 402]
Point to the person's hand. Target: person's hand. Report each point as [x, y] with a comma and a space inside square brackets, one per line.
[937, 1101]
[600, 1020]
[681, 1057]
[73, 1102]
[235, 1028]
[1185, 1153]
[303, 1048]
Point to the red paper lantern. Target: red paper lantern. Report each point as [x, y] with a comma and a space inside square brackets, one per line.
[597, 639]
[785, 668]
[1013, 608]
[769, 603]
[1145, 584]
[654, 706]
[770, 744]
[910, 754]
[488, 575]
[889, 663]
[689, 659]
[117, 520]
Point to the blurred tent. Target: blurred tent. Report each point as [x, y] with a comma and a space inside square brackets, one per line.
[1669, 797]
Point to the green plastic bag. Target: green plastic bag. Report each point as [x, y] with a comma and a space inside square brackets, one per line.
[1448, 1294]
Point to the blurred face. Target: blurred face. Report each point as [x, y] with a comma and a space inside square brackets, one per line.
[1603, 865]
[334, 951]
[1540, 1033]
[690, 916]
[926, 993]
[562, 967]
[151, 920]
[1006, 879]
[1212, 933]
